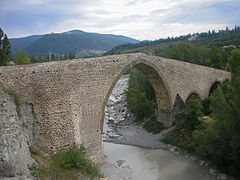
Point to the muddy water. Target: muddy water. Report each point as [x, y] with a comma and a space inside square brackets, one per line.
[152, 164]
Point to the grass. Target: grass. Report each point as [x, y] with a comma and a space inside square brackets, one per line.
[65, 164]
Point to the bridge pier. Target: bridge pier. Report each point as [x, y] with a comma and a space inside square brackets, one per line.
[165, 117]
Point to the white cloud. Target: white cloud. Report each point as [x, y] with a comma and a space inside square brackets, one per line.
[141, 19]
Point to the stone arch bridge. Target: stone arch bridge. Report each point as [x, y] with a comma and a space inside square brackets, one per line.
[69, 97]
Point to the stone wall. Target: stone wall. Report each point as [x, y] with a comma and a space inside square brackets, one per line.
[69, 97]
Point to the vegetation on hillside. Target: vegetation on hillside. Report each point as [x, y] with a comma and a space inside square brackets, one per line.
[216, 138]
[200, 48]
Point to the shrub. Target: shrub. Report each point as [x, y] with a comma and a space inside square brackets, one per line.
[153, 126]
[69, 164]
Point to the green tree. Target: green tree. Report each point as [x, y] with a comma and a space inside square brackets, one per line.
[71, 55]
[188, 119]
[226, 53]
[235, 72]
[219, 141]
[22, 57]
[54, 57]
[188, 52]
[213, 141]
[34, 59]
[140, 96]
[216, 58]
[235, 140]
[65, 56]
[5, 49]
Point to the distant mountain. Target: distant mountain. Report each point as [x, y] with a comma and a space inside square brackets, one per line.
[76, 41]
[22, 43]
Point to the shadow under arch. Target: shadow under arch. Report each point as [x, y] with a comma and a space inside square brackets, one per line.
[193, 94]
[162, 92]
[214, 87]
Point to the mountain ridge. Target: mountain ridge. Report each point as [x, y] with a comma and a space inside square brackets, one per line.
[71, 41]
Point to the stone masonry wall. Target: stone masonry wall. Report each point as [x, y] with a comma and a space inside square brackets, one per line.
[69, 97]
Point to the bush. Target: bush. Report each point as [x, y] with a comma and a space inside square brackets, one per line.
[68, 164]
[153, 126]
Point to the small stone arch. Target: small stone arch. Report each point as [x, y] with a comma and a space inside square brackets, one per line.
[193, 94]
[159, 85]
[214, 87]
[179, 105]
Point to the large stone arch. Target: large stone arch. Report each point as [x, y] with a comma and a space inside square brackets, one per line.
[162, 92]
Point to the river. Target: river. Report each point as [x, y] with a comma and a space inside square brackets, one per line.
[151, 164]
[131, 153]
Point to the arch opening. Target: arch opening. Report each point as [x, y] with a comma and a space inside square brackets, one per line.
[179, 105]
[193, 95]
[162, 93]
[214, 87]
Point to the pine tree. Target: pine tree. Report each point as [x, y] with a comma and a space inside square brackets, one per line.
[5, 49]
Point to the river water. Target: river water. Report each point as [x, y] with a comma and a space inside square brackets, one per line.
[126, 162]
[153, 164]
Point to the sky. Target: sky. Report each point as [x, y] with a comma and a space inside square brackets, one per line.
[139, 19]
